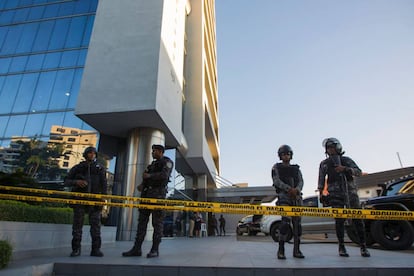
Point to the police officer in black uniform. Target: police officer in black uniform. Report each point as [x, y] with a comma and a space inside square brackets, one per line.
[87, 177]
[288, 181]
[341, 191]
[154, 185]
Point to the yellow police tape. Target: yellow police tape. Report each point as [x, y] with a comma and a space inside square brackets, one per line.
[214, 207]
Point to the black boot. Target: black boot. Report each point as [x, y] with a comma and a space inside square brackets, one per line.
[96, 253]
[152, 254]
[364, 251]
[135, 251]
[281, 251]
[296, 251]
[154, 250]
[342, 250]
[75, 252]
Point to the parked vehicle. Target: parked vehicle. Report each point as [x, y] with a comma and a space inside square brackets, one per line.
[249, 224]
[270, 224]
[393, 234]
[389, 234]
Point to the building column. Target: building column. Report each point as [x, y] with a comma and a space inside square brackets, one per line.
[138, 157]
[201, 187]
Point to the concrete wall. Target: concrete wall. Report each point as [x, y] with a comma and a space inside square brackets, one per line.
[32, 238]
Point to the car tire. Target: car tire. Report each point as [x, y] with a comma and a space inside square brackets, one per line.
[275, 230]
[393, 234]
[353, 236]
[238, 232]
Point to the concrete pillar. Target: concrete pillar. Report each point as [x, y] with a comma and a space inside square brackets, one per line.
[139, 156]
[202, 187]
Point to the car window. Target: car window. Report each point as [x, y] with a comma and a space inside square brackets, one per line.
[246, 219]
[395, 188]
[408, 188]
[311, 202]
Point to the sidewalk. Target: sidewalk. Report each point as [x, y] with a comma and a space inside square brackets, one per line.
[218, 256]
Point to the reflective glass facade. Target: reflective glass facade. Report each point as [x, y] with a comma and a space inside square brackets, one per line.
[43, 47]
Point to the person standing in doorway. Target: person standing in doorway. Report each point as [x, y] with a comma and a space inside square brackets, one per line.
[214, 228]
[87, 177]
[154, 185]
[191, 226]
[288, 181]
[341, 190]
[222, 222]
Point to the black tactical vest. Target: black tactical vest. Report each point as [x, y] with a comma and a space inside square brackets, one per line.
[289, 174]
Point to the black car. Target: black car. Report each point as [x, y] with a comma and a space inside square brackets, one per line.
[249, 224]
[391, 234]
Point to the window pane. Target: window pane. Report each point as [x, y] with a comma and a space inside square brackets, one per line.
[62, 90]
[74, 38]
[82, 57]
[73, 121]
[34, 124]
[66, 9]
[8, 94]
[51, 11]
[36, 13]
[52, 60]
[15, 126]
[43, 35]
[35, 62]
[51, 120]
[82, 7]
[2, 80]
[75, 88]
[5, 143]
[43, 91]
[4, 65]
[3, 124]
[94, 5]
[24, 97]
[6, 17]
[11, 40]
[18, 64]
[59, 34]
[88, 31]
[28, 36]
[20, 15]
[69, 59]
[10, 4]
[26, 2]
[3, 33]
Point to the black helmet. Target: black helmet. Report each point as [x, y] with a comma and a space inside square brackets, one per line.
[88, 150]
[284, 149]
[328, 142]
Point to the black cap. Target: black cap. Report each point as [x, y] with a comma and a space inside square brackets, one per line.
[158, 147]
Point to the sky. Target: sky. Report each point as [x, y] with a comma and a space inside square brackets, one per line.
[298, 71]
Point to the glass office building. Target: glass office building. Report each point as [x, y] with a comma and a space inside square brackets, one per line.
[43, 47]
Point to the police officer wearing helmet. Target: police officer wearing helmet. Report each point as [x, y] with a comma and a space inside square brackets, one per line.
[87, 177]
[288, 181]
[154, 185]
[338, 171]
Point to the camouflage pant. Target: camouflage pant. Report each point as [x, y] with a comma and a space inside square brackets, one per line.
[95, 225]
[284, 200]
[339, 201]
[157, 223]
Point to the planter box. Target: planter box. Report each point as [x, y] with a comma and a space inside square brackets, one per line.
[27, 238]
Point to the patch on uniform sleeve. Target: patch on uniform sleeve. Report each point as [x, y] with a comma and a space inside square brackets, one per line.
[169, 165]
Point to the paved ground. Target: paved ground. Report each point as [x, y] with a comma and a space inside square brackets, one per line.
[229, 255]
